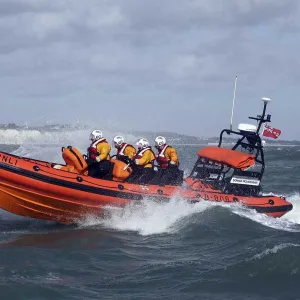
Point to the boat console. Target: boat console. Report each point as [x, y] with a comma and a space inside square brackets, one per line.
[238, 170]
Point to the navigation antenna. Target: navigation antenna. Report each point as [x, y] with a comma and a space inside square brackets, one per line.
[233, 102]
[263, 118]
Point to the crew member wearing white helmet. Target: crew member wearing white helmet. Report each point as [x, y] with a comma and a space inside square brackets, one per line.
[125, 152]
[98, 155]
[167, 155]
[144, 162]
[167, 160]
[145, 157]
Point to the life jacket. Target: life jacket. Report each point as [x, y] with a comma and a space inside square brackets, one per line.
[92, 150]
[161, 158]
[120, 151]
[140, 153]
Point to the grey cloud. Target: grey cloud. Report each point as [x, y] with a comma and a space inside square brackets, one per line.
[160, 52]
[15, 7]
[175, 15]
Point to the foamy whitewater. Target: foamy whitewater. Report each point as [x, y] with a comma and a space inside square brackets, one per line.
[153, 250]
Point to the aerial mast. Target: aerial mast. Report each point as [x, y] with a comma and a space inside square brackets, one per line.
[233, 102]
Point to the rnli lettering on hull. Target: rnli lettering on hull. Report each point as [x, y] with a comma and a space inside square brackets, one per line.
[245, 181]
[8, 159]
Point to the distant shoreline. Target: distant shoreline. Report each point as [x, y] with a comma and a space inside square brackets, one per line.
[175, 139]
[53, 127]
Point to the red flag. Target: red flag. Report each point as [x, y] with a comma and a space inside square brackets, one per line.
[271, 132]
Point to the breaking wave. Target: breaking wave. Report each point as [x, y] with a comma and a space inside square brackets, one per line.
[149, 217]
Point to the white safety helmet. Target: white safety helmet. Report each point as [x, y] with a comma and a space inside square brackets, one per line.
[96, 135]
[118, 140]
[142, 143]
[160, 141]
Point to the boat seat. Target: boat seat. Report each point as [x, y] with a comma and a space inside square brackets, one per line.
[138, 177]
[161, 180]
[109, 174]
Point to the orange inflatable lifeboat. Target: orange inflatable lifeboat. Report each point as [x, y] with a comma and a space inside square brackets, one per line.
[66, 193]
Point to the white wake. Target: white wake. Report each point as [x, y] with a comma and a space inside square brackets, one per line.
[149, 217]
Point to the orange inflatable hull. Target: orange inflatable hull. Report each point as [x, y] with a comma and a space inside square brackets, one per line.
[32, 188]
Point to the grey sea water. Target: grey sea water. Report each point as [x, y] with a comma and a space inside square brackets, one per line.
[160, 251]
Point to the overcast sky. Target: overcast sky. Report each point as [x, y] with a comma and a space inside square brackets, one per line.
[151, 65]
